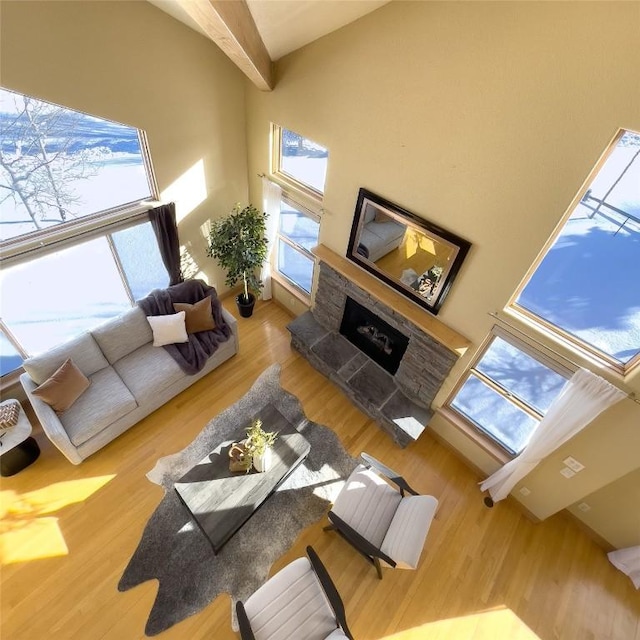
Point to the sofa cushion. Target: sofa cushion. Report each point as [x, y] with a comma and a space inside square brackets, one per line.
[63, 388]
[405, 539]
[123, 334]
[104, 402]
[367, 504]
[199, 316]
[147, 371]
[291, 605]
[83, 350]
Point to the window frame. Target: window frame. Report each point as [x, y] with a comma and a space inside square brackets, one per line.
[548, 329]
[290, 200]
[35, 244]
[490, 444]
[42, 239]
[106, 232]
[276, 166]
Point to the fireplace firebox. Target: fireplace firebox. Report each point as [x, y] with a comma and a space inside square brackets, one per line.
[373, 336]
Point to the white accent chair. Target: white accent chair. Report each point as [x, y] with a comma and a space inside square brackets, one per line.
[299, 602]
[380, 521]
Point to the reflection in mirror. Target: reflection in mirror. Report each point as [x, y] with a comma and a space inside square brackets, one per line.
[414, 256]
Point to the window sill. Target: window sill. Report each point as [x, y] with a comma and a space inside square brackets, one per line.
[486, 444]
[291, 288]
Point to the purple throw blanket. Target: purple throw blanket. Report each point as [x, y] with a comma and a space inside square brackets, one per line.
[193, 355]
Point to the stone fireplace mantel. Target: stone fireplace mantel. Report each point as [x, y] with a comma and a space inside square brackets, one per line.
[399, 403]
[427, 322]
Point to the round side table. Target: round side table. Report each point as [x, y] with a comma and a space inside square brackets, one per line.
[17, 448]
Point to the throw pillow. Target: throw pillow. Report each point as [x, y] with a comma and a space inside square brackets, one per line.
[9, 414]
[64, 387]
[168, 329]
[199, 316]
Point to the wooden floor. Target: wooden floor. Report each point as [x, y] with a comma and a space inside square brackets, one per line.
[69, 531]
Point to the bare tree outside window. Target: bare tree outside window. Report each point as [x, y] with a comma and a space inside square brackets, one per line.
[57, 164]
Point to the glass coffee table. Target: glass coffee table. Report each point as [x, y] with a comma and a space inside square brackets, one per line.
[220, 501]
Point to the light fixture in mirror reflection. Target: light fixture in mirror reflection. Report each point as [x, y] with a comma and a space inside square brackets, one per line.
[414, 256]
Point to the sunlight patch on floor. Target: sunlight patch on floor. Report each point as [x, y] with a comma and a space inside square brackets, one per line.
[27, 531]
[32, 540]
[497, 623]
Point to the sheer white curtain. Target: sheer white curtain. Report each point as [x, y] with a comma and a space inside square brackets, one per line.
[271, 195]
[628, 561]
[583, 397]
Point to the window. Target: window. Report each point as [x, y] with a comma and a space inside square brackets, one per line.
[507, 391]
[56, 296]
[301, 164]
[299, 161]
[298, 231]
[58, 165]
[584, 287]
[77, 248]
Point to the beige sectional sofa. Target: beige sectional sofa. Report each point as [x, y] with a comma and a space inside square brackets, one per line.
[129, 378]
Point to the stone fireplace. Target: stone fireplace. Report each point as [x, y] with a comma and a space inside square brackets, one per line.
[373, 336]
[373, 344]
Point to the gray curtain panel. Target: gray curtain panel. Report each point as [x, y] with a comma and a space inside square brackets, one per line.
[163, 221]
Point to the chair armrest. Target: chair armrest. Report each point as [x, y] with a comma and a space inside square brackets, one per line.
[371, 463]
[246, 633]
[361, 544]
[330, 590]
[49, 421]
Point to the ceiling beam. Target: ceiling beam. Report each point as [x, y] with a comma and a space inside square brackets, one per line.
[230, 25]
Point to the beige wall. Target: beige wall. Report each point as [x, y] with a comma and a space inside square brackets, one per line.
[132, 63]
[485, 118]
[615, 505]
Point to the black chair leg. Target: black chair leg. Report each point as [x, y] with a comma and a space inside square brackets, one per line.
[376, 563]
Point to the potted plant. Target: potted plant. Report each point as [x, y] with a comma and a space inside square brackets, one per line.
[258, 445]
[238, 243]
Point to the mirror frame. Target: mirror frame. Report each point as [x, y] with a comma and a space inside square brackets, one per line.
[437, 234]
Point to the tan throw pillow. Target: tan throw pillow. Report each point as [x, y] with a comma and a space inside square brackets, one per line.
[168, 329]
[199, 316]
[64, 387]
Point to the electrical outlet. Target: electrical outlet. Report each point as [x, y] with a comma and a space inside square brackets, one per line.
[573, 464]
[524, 491]
[583, 506]
[567, 473]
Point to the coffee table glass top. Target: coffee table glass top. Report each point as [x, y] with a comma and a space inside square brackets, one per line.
[221, 501]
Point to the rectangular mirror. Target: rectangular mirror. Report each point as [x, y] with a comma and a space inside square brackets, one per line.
[414, 256]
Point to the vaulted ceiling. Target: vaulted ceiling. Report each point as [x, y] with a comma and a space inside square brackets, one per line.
[255, 33]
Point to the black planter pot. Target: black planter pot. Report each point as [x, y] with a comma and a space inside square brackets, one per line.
[245, 307]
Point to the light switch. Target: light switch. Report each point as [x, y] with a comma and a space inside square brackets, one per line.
[567, 473]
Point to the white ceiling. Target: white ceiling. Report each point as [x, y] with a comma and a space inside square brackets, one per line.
[287, 25]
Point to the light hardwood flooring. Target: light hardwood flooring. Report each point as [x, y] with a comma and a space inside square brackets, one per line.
[69, 531]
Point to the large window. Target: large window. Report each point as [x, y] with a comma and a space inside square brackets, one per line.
[507, 391]
[77, 248]
[299, 161]
[56, 296]
[301, 165]
[58, 165]
[298, 231]
[585, 288]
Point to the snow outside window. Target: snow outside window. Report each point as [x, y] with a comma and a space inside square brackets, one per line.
[508, 390]
[298, 231]
[584, 288]
[299, 162]
[58, 166]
